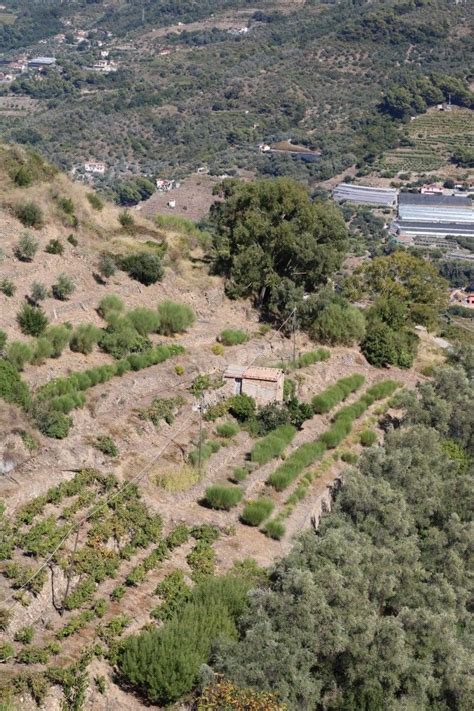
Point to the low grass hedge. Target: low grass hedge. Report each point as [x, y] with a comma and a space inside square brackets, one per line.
[274, 529]
[298, 460]
[321, 354]
[336, 393]
[227, 429]
[221, 496]
[273, 445]
[367, 438]
[255, 512]
[233, 337]
[309, 452]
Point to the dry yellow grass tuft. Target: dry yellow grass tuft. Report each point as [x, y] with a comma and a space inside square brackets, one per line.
[177, 479]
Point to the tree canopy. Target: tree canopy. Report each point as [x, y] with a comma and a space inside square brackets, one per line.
[271, 238]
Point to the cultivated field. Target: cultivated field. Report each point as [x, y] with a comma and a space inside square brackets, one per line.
[436, 135]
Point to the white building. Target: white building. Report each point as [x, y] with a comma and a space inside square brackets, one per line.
[95, 167]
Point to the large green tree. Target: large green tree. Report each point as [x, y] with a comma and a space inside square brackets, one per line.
[272, 240]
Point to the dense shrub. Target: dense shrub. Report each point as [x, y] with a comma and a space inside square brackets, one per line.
[368, 438]
[227, 429]
[23, 177]
[242, 407]
[174, 318]
[144, 320]
[273, 445]
[25, 635]
[54, 246]
[110, 304]
[26, 248]
[255, 512]
[12, 388]
[41, 351]
[163, 664]
[336, 393]
[233, 337]
[63, 288]
[95, 201]
[72, 240]
[7, 287]
[338, 324]
[126, 219]
[239, 474]
[38, 292]
[313, 357]
[3, 340]
[59, 337]
[107, 266]
[274, 529]
[32, 320]
[144, 267]
[84, 338]
[30, 214]
[53, 424]
[123, 340]
[18, 354]
[107, 446]
[223, 497]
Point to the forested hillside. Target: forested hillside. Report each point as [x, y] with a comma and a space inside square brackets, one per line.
[201, 93]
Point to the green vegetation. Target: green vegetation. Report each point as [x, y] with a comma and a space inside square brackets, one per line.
[30, 215]
[309, 452]
[18, 354]
[367, 438]
[38, 292]
[227, 430]
[12, 388]
[32, 320]
[273, 444]
[110, 304]
[144, 267]
[274, 529]
[95, 201]
[335, 394]
[7, 287]
[26, 248]
[54, 246]
[106, 445]
[162, 409]
[63, 288]
[174, 317]
[163, 664]
[271, 254]
[223, 497]
[311, 357]
[84, 338]
[338, 323]
[255, 512]
[233, 337]
[144, 320]
[300, 636]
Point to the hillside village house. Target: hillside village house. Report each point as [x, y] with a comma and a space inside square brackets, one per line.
[94, 167]
[265, 385]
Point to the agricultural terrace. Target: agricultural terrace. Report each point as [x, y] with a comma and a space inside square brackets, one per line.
[436, 136]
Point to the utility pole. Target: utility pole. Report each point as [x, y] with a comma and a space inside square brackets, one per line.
[201, 409]
[294, 336]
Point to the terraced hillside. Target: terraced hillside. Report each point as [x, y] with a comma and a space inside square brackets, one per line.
[436, 136]
[131, 475]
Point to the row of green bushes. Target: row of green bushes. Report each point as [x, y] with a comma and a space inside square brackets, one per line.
[255, 512]
[336, 393]
[309, 452]
[222, 496]
[273, 444]
[311, 357]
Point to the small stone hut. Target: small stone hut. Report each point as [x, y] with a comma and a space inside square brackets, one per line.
[265, 385]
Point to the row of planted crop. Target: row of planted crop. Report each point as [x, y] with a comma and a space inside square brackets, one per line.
[309, 452]
[257, 511]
